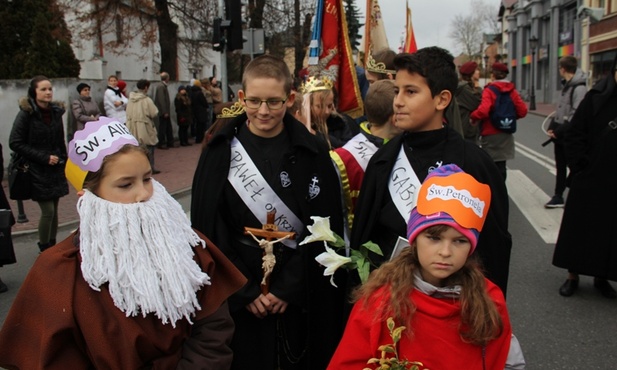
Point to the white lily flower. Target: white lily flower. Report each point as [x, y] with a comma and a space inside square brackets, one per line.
[320, 231]
[332, 261]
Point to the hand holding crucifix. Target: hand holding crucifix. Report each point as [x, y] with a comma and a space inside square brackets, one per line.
[268, 232]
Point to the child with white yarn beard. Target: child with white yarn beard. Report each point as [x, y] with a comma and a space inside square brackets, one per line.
[134, 287]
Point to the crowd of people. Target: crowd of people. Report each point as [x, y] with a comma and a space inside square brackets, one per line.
[421, 175]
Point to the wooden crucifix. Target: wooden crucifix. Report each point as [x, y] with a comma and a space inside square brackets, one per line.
[269, 232]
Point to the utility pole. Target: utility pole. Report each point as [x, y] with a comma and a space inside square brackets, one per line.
[533, 44]
[223, 78]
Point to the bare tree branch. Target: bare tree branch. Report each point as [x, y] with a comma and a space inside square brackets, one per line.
[467, 34]
[487, 14]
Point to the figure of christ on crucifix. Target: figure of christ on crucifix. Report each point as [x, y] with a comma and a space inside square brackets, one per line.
[268, 232]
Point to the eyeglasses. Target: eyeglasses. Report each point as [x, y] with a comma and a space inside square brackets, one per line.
[271, 103]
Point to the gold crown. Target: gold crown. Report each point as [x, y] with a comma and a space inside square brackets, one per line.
[373, 66]
[316, 84]
[234, 111]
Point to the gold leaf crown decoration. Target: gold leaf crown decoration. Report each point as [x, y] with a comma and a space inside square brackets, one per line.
[373, 66]
[316, 84]
[234, 111]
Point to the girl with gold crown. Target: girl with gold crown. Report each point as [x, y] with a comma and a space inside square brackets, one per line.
[321, 116]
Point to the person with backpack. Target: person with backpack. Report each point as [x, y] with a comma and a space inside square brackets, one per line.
[572, 93]
[500, 108]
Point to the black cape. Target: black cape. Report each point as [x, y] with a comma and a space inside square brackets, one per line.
[314, 319]
[587, 243]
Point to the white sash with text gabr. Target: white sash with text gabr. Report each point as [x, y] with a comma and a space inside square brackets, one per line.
[257, 194]
[361, 149]
[403, 185]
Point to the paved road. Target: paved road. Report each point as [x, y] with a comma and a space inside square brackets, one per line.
[555, 332]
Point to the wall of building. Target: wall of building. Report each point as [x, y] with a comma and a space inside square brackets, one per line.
[559, 33]
[132, 60]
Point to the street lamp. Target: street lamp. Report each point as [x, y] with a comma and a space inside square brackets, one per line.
[533, 44]
[485, 66]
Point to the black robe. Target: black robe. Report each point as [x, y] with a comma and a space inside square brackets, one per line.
[314, 317]
[587, 243]
[7, 252]
[377, 218]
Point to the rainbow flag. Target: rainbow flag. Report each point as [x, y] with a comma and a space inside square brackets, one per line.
[330, 55]
[410, 38]
[566, 50]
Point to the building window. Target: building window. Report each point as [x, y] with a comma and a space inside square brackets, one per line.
[613, 8]
[598, 3]
[566, 19]
[601, 64]
[119, 29]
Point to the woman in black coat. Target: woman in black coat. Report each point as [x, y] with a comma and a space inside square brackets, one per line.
[200, 111]
[587, 244]
[38, 137]
[7, 253]
[184, 115]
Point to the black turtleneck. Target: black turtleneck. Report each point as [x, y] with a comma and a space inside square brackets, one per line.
[426, 150]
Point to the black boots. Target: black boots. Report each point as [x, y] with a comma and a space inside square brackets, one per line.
[3, 287]
[604, 288]
[44, 246]
[569, 287]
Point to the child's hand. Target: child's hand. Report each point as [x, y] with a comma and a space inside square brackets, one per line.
[260, 306]
[276, 305]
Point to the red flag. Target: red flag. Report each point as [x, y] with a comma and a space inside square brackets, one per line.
[336, 60]
[410, 38]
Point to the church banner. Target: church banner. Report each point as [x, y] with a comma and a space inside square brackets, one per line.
[375, 38]
[330, 55]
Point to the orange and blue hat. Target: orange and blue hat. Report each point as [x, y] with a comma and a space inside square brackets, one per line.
[454, 198]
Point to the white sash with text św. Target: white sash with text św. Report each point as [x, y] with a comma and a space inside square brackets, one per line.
[257, 194]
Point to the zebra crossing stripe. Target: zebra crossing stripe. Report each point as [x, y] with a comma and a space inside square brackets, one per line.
[530, 199]
[539, 158]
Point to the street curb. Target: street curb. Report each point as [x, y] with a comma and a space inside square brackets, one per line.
[176, 194]
[537, 114]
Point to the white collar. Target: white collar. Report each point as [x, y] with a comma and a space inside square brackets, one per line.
[437, 292]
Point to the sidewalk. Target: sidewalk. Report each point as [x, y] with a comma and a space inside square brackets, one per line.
[177, 166]
[542, 109]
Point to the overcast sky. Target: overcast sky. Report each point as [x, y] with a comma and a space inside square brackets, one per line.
[431, 20]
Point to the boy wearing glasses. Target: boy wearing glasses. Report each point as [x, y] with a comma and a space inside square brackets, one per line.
[265, 160]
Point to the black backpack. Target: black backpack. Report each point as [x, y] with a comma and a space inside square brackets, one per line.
[503, 113]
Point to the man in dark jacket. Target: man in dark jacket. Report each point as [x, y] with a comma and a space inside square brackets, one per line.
[572, 94]
[160, 96]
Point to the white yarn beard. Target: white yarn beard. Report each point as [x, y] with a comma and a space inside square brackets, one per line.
[144, 251]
